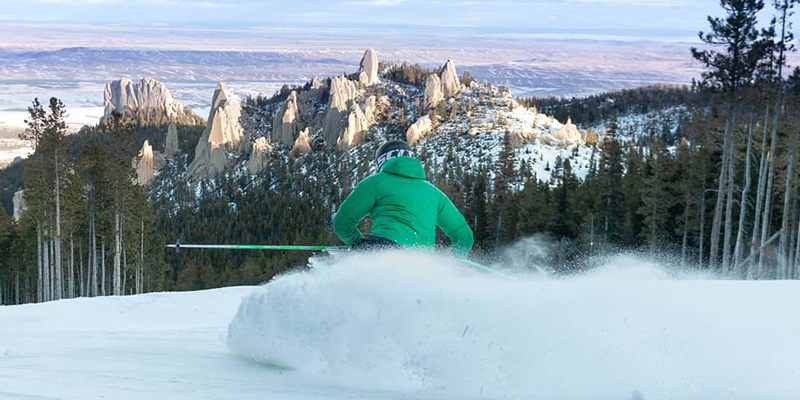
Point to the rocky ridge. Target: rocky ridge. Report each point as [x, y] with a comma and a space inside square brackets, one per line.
[342, 114]
[125, 96]
[259, 156]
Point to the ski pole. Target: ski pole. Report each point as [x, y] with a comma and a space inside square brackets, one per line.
[179, 246]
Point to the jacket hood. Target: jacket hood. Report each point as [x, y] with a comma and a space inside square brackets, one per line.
[404, 166]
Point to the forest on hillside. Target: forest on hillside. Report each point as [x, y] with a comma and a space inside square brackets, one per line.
[720, 193]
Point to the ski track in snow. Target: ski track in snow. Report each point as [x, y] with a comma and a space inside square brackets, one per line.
[416, 326]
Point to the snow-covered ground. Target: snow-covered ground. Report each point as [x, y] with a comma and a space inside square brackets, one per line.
[403, 326]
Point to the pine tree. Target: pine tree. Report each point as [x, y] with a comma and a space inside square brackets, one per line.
[610, 174]
[503, 192]
[728, 71]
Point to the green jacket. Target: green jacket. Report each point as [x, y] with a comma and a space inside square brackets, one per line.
[405, 209]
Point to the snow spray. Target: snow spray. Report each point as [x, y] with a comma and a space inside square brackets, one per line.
[427, 325]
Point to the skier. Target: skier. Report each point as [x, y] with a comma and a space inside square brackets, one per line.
[405, 207]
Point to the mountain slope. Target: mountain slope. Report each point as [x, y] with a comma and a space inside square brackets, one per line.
[411, 326]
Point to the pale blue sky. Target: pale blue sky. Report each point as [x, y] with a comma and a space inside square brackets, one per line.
[679, 19]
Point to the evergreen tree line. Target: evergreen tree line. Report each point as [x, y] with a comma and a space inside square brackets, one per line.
[726, 195]
[87, 229]
[603, 107]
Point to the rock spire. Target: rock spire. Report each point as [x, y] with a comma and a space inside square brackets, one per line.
[222, 132]
[368, 69]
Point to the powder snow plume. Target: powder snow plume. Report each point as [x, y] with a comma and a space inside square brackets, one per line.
[428, 325]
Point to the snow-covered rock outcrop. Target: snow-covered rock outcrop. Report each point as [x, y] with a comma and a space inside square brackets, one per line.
[368, 69]
[371, 109]
[433, 92]
[146, 163]
[438, 88]
[449, 78]
[285, 126]
[357, 125]
[222, 132]
[172, 147]
[569, 133]
[342, 93]
[144, 167]
[125, 96]
[259, 156]
[19, 204]
[419, 130]
[303, 143]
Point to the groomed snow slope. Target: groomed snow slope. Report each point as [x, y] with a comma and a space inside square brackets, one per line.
[402, 326]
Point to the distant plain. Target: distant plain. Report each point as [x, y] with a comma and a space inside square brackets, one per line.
[73, 63]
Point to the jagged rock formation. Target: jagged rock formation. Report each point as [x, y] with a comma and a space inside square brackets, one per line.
[368, 69]
[222, 132]
[438, 88]
[449, 78]
[303, 143]
[419, 130]
[371, 109]
[357, 124]
[259, 156]
[285, 126]
[520, 138]
[223, 120]
[125, 96]
[569, 133]
[19, 204]
[172, 148]
[433, 92]
[343, 92]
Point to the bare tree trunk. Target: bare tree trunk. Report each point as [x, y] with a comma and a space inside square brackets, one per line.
[117, 255]
[795, 268]
[775, 115]
[792, 238]
[140, 287]
[702, 224]
[59, 284]
[767, 214]
[95, 289]
[654, 208]
[81, 274]
[124, 270]
[103, 265]
[726, 247]
[783, 257]
[762, 184]
[717, 221]
[685, 238]
[71, 281]
[48, 275]
[51, 245]
[48, 288]
[737, 252]
[39, 265]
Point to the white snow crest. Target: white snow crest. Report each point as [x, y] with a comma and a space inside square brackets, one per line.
[427, 324]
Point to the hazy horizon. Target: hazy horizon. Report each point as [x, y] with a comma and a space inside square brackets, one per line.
[669, 20]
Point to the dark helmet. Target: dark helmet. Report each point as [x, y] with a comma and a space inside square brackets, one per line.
[392, 149]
